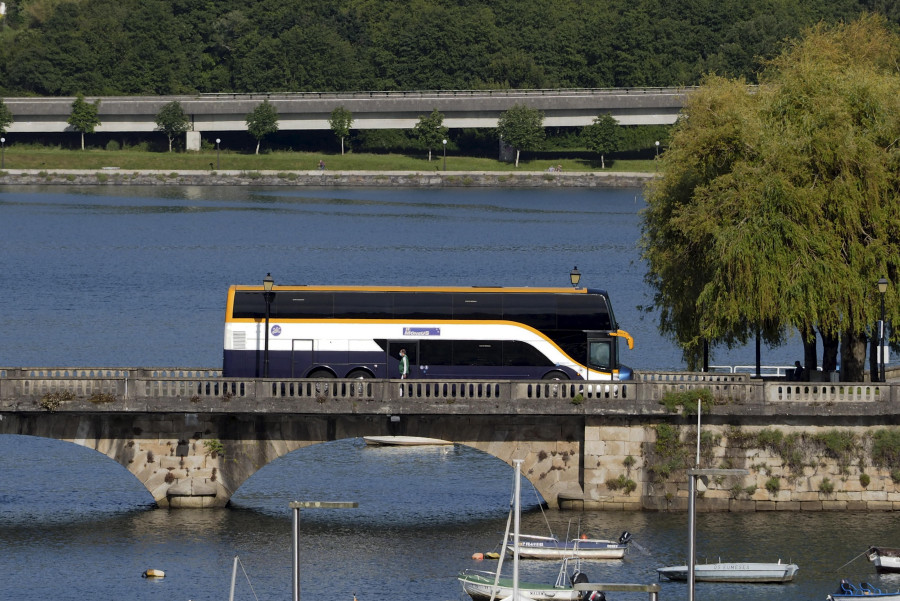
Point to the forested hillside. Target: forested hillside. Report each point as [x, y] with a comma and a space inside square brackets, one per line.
[114, 47]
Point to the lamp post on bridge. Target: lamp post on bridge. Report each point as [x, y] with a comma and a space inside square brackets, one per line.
[882, 288]
[218, 141]
[575, 276]
[269, 296]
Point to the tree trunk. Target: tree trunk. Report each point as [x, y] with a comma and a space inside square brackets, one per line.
[829, 352]
[258, 142]
[810, 361]
[517, 158]
[853, 357]
[82, 140]
[342, 145]
[602, 162]
[170, 143]
[429, 155]
[874, 366]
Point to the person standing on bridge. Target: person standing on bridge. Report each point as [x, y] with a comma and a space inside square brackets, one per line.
[404, 364]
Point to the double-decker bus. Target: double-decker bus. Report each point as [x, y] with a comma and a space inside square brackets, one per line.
[447, 332]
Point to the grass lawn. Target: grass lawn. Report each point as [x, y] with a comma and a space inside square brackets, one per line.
[24, 157]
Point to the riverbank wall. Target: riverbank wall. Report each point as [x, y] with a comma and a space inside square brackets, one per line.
[635, 466]
[364, 179]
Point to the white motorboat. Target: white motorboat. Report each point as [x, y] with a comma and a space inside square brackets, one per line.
[885, 559]
[733, 572]
[550, 547]
[403, 441]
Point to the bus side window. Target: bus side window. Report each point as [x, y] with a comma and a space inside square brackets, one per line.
[600, 354]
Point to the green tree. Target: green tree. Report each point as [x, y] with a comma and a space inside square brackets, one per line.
[6, 117]
[776, 211]
[430, 131]
[173, 121]
[262, 121]
[602, 136]
[341, 121]
[521, 127]
[84, 116]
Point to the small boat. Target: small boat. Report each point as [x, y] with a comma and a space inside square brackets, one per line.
[733, 572]
[848, 590]
[550, 547]
[404, 441]
[480, 585]
[490, 586]
[885, 559]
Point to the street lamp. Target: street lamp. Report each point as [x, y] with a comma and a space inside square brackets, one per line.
[882, 288]
[2, 152]
[269, 296]
[218, 141]
[657, 155]
[575, 277]
[444, 142]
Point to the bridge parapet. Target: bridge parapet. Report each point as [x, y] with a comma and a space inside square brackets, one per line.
[189, 390]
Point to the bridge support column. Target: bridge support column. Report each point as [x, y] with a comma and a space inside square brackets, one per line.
[192, 140]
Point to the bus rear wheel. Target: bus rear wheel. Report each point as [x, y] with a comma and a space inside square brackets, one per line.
[360, 374]
[555, 375]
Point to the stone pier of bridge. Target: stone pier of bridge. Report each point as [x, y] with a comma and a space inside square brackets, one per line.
[193, 438]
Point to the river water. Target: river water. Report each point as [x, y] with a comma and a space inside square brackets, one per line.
[120, 276]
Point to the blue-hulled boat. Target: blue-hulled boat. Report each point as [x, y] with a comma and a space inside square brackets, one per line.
[848, 590]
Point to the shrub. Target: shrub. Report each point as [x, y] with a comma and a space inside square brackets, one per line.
[627, 484]
[214, 447]
[52, 400]
[113, 146]
[864, 480]
[773, 485]
[826, 486]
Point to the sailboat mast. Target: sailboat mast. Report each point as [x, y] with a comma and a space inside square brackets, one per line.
[518, 511]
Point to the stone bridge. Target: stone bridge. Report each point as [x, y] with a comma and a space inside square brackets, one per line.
[192, 437]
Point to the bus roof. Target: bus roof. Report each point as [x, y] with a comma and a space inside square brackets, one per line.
[449, 289]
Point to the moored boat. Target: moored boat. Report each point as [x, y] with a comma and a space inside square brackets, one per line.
[404, 441]
[848, 590]
[550, 547]
[480, 586]
[733, 572]
[885, 559]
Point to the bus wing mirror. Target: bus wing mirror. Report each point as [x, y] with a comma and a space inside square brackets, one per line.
[626, 336]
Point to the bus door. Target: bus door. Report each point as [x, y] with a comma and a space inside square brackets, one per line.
[301, 357]
[393, 358]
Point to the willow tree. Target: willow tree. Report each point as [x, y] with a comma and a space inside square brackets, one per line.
[776, 211]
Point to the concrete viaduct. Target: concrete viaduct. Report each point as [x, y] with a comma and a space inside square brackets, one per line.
[212, 113]
[192, 437]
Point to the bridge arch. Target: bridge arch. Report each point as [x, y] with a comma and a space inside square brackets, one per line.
[200, 460]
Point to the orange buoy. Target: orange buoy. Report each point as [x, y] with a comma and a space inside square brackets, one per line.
[584, 537]
[151, 573]
[478, 556]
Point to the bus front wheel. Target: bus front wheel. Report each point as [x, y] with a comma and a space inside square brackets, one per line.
[555, 375]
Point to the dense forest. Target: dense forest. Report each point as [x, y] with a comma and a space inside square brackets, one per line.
[120, 47]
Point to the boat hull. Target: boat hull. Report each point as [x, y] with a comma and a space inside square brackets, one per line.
[480, 587]
[581, 548]
[733, 572]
